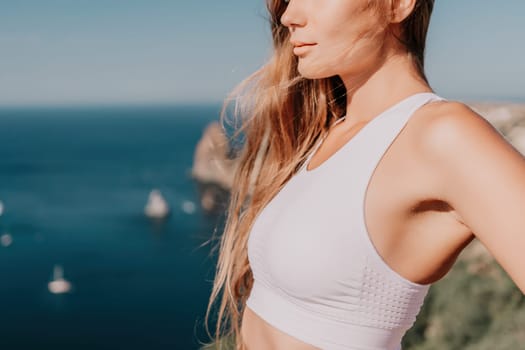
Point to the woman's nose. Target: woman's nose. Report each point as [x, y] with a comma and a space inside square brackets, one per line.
[293, 16]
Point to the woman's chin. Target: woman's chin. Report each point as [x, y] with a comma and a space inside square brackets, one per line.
[309, 72]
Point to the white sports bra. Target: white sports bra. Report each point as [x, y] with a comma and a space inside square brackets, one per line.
[317, 274]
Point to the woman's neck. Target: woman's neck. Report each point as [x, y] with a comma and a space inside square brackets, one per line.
[395, 79]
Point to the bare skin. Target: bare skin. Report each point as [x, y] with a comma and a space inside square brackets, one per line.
[448, 177]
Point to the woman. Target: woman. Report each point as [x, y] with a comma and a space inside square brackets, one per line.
[343, 112]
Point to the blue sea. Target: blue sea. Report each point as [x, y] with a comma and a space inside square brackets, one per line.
[74, 182]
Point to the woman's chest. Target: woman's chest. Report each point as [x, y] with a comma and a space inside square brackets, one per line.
[318, 229]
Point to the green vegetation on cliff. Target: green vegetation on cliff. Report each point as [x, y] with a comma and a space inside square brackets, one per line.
[475, 307]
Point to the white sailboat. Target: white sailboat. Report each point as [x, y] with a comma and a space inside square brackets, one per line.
[157, 207]
[59, 285]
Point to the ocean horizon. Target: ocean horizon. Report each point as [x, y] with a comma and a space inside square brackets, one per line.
[213, 104]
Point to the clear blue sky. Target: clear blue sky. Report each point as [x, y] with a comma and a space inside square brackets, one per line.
[173, 51]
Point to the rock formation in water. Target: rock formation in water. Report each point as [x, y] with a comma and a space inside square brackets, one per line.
[212, 168]
[156, 207]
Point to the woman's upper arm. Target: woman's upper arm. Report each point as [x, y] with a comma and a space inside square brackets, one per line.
[482, 177]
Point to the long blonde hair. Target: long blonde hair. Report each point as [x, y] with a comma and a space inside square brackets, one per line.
[282, 117]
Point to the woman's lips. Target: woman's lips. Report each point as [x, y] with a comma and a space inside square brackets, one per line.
[302, 48]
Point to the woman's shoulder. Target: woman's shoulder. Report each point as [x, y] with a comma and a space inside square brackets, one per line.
[463, 150]
[480, 174]
[444, 126]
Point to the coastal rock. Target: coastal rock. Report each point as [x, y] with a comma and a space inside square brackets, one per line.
[213, 169]
[210, 161]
